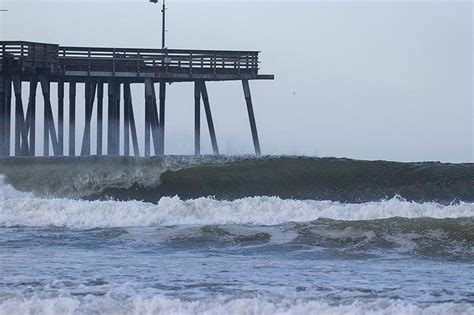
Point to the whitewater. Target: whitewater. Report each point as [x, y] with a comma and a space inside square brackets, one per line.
[77, 246]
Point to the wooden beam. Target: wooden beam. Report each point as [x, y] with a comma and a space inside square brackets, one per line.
[3, 102]
[136, 150]
[197, 118]
[49, 128]
[8, 114]
[72, 118]
[148, 101]
[253, 125]
[113, 135]
[100, 115]
[155, 122]
[21, 133]
[126, 119]
[90, 90]
[110, 116]
[161, 150]
[31, 115]
[151, 118]
[133, 129]
[61, 116]
[117, 119]
[210, 123]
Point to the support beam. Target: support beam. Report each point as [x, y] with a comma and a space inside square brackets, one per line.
[197, 118]
[136, 150]
[133, 130]
[155, 122]
[113, 134]
[21, 133]
[129, 124]
[161, 149]
[151, 118]
[2, 115]
[90, 89]
[8, 113]
[148, 101]
[100, 115]
[31, 115]
[126, 119]
[117, 119]
[253, 124]
[61, 116]
[110, 117]
[72, 118]
[210, 123]
[49, 128]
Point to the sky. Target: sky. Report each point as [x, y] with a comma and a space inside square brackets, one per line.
[366, 80]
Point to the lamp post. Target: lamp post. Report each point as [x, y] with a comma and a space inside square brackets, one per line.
[161, 150]
[163, 26]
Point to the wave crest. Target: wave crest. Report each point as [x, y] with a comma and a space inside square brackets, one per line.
[229, 178]
[207, 211]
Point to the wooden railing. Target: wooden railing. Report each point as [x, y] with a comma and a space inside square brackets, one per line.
[27, 54]
[59, 58]
[150, 60]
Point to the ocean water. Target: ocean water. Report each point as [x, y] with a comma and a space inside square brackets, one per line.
[280, 235]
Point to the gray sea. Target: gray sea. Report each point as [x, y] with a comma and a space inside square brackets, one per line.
[72, 243]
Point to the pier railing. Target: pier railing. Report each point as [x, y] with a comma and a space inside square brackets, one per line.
[25, 56]
[60, 59]
[151, 60]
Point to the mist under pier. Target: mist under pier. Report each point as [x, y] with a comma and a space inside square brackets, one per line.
[107, 75]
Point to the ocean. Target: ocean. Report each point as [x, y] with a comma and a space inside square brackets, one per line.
[235, 235]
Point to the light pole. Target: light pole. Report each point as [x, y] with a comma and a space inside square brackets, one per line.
[161, 150]
[163, 26]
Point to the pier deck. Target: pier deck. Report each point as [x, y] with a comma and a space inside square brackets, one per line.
[133, 64]
[117, 69]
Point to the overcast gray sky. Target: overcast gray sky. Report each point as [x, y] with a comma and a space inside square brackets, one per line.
[366, 80]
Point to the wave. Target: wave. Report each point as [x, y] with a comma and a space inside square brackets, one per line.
[257, 305]
[20, 209]
[396, 225]
[230, 178]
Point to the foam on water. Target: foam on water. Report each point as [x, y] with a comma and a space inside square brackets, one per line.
[20, 209]
[258, 305]
[8, 192]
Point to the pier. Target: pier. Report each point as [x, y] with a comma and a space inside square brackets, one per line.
[107, 75]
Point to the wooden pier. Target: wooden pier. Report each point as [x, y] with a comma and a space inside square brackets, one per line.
[110, 71]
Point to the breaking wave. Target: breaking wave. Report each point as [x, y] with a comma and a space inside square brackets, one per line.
[257, 305]
[231, 178]
[30, 211]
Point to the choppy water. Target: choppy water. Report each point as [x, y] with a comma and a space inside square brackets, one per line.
[238, 252]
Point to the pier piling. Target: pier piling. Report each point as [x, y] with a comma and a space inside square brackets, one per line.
[95, 68]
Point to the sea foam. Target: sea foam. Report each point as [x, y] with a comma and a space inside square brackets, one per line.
[22, 209]
[258, 305]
